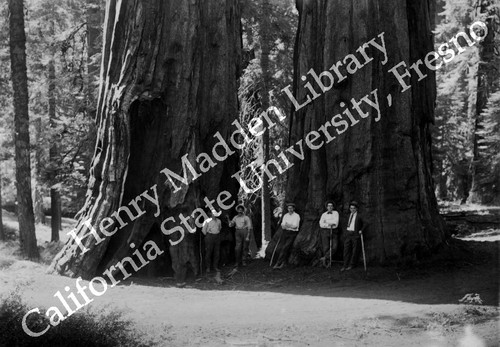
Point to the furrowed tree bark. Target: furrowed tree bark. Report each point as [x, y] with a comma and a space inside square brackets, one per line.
[17, 46]
[384, 165]
[168, 84]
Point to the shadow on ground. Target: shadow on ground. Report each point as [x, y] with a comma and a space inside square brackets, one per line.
[462, 267]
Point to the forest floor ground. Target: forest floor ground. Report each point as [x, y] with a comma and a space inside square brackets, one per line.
[403, 305]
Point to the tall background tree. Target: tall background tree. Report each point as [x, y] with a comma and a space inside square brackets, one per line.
[485, 187]
[268, 36]
[61, 99]
[454, 115]
[465, 139]
[169, 82]
[21, 123]
[55, 194]
[2, 231]
[386, 166]
[265, 35]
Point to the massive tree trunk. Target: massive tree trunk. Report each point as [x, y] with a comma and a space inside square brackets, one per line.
[168, 84]
[487, 77]
[384, 165]
[25, 214]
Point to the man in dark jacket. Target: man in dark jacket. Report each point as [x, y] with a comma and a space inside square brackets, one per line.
[354, 229]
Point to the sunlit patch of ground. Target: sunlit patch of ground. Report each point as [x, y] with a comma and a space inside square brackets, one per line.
[489, 235]
[446, 206]
[9, 250]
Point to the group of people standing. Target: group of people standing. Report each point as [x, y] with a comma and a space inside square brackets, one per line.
[329, 224]
[329, 235]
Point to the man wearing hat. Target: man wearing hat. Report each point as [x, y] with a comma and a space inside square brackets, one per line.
[211, 229]
[290, 227]
[328, 224]
[355, 226]
[243, 228]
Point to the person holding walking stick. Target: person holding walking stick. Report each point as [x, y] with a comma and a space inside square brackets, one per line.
[328, 224]
[290, 228]
[354, 232]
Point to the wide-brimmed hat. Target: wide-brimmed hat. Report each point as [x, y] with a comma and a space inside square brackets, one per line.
[329, 202]
[354, 203]
[240, 206]
[290, 204]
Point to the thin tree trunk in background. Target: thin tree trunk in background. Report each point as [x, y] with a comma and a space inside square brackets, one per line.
[17, 46]
[442, 178]
[486, 75]
[94, 45]
[38, 197]
[2, 232]
[170, 83]
[385, 165]
[55, 189]
[264, 94]
[95, 18]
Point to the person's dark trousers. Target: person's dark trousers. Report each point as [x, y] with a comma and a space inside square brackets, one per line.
[287, 238]
[212, 251]
[351, 249]
[246, 249]
[240, 236]
[226, 252]
[325, 241]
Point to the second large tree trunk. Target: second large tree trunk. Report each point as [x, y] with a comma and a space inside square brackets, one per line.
[169, 77]
[385, 165]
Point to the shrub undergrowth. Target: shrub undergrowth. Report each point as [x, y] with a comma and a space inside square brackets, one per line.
[103, 327]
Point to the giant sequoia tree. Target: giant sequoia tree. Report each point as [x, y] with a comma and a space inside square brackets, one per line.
[168, 83]
[385, 165]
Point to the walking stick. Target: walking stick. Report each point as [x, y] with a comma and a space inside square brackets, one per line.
[331, 241]
[277, 243]
[275, 247]
[363, 250]
[201, 257]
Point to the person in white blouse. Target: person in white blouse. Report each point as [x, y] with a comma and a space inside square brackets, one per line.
[290, 228]
[328, 224]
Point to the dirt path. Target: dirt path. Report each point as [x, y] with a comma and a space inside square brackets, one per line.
[301, 306]
[415, 305]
